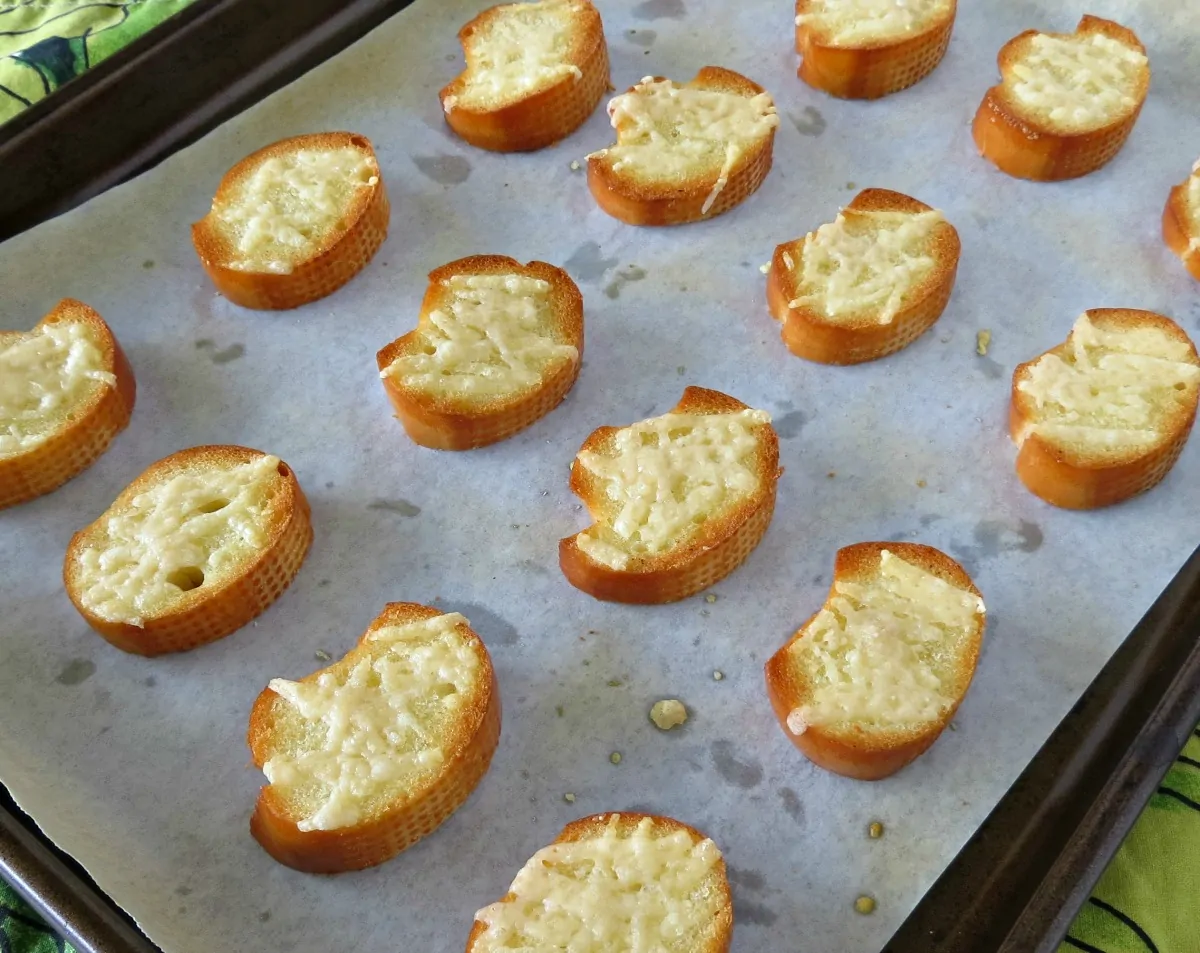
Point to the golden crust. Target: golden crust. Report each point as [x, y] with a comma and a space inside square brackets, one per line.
[82, 439]
[1064, 477]
[682, 201]
[1178, 231]
[337, 258]
[715, 552]
[469, 749]
[1029, 148]
[854, 751]
[594, 826]
[447, 423]
[542, 117]
[206, 613]
[809, 334]
[873, 68]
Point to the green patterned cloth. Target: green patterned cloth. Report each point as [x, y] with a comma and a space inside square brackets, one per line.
[22, 930]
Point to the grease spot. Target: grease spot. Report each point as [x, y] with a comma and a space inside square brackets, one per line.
[149, 681]
[223, 356]
[76, 672]
[790, 424]
[750, 879]
[443, 168]
[792, 805]
[929, 519]
[643, 37]
[183, 890]
[994, 537]
[587, 263]
[660, 10]
[743, 774]
[754, 914]
[399, 507]
[534, 567]
[493, 629]
[992, 369]
[632, 273]
[812, 123]
[264, 916]
[148, 263]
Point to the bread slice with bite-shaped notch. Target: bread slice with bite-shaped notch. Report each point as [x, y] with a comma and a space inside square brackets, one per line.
[1066, 103]
[367, 756]
[1181, 221]
[193, 549]
[867, 284]
[678, 501]
[868, 684]
[66, 391]
[1104, 415]
[535, 72]
[615, 882]
[497, 347]
[684, 153]
[294, 221]
[865, 49]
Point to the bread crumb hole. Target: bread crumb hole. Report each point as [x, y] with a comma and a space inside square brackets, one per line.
[187, 578]
[213, 505]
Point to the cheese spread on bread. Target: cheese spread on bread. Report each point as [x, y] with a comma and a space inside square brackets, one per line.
[866, 262]
[490, 337]
[668, 132]
[189, 530]
[279, 211]
[376, 724]
[877, 653]
[1110, 388]
[634, 890]
[847, 22]
[1078, 82]
[44, 375]
[519, 51]
[663, 478]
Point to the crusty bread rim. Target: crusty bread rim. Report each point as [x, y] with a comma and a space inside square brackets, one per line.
[374, 839]
[821, 36]
[55, 459]
[586, 828]
[851, 750]
[1179, 225]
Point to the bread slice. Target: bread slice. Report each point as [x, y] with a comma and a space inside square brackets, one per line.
[295, 221]
[679, 501]
[369, 755]
[66, 391]
[535, 72]
[858, 49]
[867, 284]
[1066, 102]
[497, 346]
[615, 882]
[687, 152]
[1181, 221]
[869, 682]
[1104, 415]
[193, 549]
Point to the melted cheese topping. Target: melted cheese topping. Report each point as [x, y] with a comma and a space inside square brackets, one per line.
[174, 537]
[879, 653]
[1078, 82]
[633, 891]
[866, 262]
[291, 202]
[846, 22]
[519, 52]
[666, 476]
[44, 375]
[1192, 206]
[1111, 389]
[665, 131]
[377, 727]
[492, 338]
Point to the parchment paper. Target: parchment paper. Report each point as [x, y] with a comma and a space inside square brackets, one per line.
[138, 767]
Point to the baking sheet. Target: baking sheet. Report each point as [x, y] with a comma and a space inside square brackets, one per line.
[138, 767]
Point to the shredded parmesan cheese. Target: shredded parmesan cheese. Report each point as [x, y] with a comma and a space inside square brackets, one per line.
[850, 22]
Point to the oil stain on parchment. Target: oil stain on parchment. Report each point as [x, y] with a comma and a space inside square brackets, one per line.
[587, 263]
[443, 168]
[76, 672]
[792, 804]
[660, 10]
[643, 38]
[812, 123]
[742, 774]
[220, 355]
[399, 507]
[622, 278]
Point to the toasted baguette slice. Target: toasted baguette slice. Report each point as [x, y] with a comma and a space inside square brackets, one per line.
[859, 50]
[369, 755]
[684, 153]
[1104, 415]
[1066, 102]
[867, 284]
[1181, 221]
[679, 501]
[295, 221]
[66, 391]
[497, 346]
[535, 72]
[869, 682]
[615, 882]
[193, 549]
